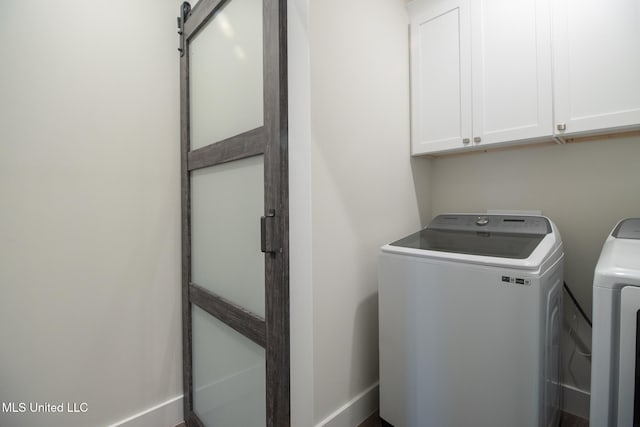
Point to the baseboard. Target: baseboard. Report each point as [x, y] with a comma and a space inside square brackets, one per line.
[354, 411]
[575, 401]
[165, 414]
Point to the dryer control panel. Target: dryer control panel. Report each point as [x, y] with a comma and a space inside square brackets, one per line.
[513, 224]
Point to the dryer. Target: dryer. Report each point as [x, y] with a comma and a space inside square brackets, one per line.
[470, 311]
[615, 363]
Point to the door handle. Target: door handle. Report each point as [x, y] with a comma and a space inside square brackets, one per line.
[266, 231]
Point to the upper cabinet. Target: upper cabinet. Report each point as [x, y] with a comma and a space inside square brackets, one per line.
[511, 64]
[480, 73]
[440, 76]
[486, 73]
[596, 58]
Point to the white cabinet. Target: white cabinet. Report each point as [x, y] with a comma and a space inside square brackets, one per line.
[440, 77]
[511, 62]
[596, 58]
[480, 73]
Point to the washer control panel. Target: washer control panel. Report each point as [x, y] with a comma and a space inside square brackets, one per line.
[517, 224]
[524, 281]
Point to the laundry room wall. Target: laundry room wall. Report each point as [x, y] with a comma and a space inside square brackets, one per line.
[90, 216]
[584, 187]
[365, 189]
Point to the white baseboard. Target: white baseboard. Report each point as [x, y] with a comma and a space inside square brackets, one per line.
[575, 401]
[165, 414]
[354, 411]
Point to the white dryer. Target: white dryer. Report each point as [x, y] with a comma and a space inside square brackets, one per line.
[615, 364]
[470, 311]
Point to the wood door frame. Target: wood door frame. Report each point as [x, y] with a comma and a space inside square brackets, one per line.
[271, 140]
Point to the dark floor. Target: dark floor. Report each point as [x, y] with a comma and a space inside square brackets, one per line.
[567, 420]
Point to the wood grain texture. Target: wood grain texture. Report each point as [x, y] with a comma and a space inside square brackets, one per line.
[276, 197]
[187, 379]
[234, 316]
[570, 420]
[192, 420]
[271, 140]
[200, 16]
[247, 144]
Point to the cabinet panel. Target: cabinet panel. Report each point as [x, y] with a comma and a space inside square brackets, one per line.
[507, 99]
[511, 70]
[596, 53]
[440, 77]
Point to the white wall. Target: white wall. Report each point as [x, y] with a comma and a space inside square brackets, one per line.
[366, 191]
[89, 224]
[584, 187]
[300, 222]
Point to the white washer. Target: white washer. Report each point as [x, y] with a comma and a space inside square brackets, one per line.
[470, 311]
[615, 367]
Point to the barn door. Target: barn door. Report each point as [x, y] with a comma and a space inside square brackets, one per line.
[235, 259]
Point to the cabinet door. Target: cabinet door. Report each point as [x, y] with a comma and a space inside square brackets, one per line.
[596, 54]
[440, 77]
[511, 62]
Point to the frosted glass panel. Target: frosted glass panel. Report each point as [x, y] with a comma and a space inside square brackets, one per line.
[226, 205]
[226, 74]
[229, 387]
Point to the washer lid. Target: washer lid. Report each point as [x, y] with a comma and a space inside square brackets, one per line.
[627, 229]
[502, 236]
[502, 245]
[619, 262]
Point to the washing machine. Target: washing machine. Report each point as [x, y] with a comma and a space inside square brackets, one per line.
[470, 312]
[615, 363]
